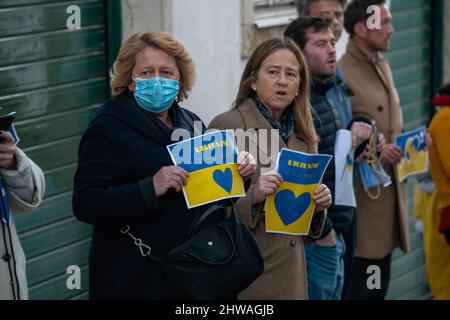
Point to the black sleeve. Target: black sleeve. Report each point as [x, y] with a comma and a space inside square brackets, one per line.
[447, 236]
[326, 228]
[100, 197]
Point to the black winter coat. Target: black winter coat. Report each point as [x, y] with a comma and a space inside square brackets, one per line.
[118, 155]
[327, 123]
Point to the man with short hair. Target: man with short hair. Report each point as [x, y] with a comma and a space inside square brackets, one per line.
[339, 95]
[324, 257]
[382, 223]
[331, 10]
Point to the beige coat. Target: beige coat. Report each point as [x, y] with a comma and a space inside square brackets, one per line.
[382, 223]
[25, 167]
[284, 274]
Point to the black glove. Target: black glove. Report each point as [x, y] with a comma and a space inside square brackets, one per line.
[444, 225]
[447, 236]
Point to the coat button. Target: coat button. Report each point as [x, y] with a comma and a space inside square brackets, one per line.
[380, 108]
[292, 243]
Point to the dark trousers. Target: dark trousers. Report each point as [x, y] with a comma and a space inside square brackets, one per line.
[359, 289]
[350, 240]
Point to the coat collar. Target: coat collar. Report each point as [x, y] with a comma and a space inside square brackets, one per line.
[359, 55]
[125, 109]
[253, 119]
[321, 87]
[375, 60]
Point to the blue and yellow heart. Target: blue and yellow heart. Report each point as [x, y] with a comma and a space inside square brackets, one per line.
[411, 148]
[290, 209]
[213, 183]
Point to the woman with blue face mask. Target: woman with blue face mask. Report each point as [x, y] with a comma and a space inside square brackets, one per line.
[125, 175]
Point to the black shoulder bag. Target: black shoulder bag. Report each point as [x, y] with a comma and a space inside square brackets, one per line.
[215, 262]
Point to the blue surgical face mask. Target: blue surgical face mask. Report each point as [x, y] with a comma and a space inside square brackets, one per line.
[156, 94]
[373, 176]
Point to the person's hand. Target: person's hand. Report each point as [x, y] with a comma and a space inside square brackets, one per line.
[381, 142]
[428, 141]
[364, 155]
[360, 132]
[328, 241]
[247, 164]
[267, 183]
[169, 177]
[391, 155]
[322, 196]
[7, 151]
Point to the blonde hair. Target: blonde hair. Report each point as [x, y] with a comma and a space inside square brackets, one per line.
[121, 71]
[301, 107]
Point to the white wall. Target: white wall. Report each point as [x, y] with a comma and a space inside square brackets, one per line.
[143, 15]
[211, 32]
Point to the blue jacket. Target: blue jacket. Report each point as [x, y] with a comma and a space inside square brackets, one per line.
[327, 122]
[339, 96]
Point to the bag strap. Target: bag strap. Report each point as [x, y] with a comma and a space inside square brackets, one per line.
[204, 216]
[146, 251]
[210, 210]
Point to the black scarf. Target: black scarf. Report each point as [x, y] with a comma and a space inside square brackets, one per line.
[285, 124]
[177, 116]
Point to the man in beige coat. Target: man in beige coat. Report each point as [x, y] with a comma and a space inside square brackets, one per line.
[382, 223]
[24, 186]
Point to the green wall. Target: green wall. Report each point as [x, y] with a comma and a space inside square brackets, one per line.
[410, 59]
[56, 80]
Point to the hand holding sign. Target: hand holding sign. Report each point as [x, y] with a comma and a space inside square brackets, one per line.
[268, 183]
[215, 172]
[169, 177]
[247, 164]
[7, 151]
[323, 198]
[360, 132]
[391, 155]
[294, 192]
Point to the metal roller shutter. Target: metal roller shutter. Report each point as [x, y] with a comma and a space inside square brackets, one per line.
[55, 79]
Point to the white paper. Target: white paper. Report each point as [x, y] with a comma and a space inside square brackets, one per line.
[344, 193]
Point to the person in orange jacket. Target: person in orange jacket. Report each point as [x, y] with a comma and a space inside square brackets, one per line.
[437, 218]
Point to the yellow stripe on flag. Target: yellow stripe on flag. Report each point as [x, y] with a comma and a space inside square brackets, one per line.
[213, 183]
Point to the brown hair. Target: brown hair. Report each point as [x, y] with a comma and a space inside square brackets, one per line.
[121, 71]
[301, 107]
[303, 6]
[298, 29]
[356, 12]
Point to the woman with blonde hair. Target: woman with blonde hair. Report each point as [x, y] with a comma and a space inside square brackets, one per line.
[126, 185]
[274, 94]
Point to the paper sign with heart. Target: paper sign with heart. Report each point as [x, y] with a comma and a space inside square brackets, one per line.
[224, 179]
[289, 207]
[211, 161]
[411, 148]
[415, 157]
